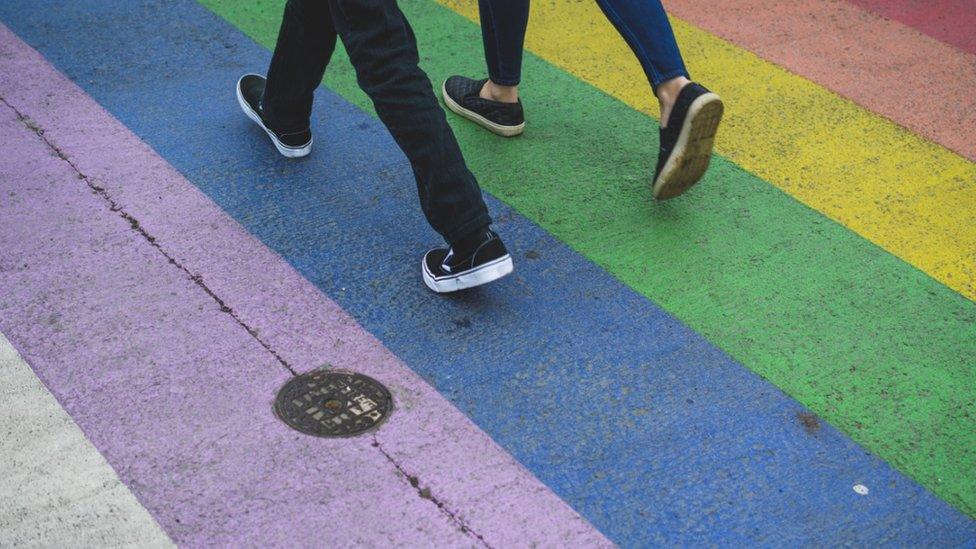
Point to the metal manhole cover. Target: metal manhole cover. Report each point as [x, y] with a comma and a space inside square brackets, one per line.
[333, 403]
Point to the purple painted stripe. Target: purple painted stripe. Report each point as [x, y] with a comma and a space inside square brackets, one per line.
[176, 393]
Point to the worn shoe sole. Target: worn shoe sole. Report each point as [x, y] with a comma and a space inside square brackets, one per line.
[693, 151]
[285, 150]
[469, 279]
[498, 129]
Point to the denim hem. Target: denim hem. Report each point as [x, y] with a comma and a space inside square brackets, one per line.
[668, 76]
[466, 228]
[503, 81]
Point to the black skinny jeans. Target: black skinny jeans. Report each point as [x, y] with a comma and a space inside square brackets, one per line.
[383, 50]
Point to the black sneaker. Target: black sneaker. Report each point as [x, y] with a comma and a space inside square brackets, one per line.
[250, 90]
[461, 96]
[444, 271]
[686, 144]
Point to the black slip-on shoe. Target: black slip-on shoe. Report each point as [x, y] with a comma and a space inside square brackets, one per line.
[250, 90]
[686, 144]
[461, 96]
[444, 271]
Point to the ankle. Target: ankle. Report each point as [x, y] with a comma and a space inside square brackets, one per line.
[497, 92]
[667, 93]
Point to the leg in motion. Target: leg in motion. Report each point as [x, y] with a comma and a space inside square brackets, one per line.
[690, 114]
[383, 50]
[282, 103]
[305, 45]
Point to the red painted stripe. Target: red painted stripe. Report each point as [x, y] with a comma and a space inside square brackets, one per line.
[951, 21]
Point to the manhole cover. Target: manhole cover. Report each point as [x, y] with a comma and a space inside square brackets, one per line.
[333, 403]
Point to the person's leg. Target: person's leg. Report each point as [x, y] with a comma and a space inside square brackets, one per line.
[690, 114]
[281, 103]
[644, 25]
[383, 50]
[503, 24]
[493, 102]
[305, 45]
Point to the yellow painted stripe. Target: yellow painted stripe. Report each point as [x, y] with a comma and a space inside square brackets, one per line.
[912, 197]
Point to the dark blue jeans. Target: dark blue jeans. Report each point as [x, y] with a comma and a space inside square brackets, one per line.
[383, 50]
[642, 23]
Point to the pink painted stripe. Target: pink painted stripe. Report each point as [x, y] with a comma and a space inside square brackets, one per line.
[176, 393]
[884, 66]
[951, 21]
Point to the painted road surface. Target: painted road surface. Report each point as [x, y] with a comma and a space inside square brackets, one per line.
[951, 21]
[848, 163]
[163, 273]
[885, 77]
[58, 490]
[186, 467]
[718, 266]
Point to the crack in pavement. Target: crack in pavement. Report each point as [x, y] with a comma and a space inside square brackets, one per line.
[114, 206]
[135, 225]
[426, 494]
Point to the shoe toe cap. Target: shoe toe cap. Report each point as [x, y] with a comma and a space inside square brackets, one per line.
[458, 87]
[433, 260]
[252, 86]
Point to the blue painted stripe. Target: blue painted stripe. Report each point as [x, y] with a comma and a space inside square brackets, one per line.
[640, 424]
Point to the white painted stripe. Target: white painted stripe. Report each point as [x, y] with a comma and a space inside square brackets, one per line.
[56, 489]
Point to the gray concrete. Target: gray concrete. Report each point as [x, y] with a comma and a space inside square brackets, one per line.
[55, 488]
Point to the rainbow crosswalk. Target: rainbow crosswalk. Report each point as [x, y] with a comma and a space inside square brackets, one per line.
[718, 369]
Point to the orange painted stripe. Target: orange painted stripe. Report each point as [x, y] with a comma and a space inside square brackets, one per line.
[912, 79]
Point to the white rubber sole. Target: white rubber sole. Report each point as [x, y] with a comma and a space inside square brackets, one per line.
[497, 129]
[484, 274]
[285, 150]
[693, 151]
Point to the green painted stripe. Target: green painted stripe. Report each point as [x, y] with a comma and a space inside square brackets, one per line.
[868, 342]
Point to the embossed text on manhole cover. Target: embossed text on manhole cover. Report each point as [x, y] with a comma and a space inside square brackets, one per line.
[333, 403]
